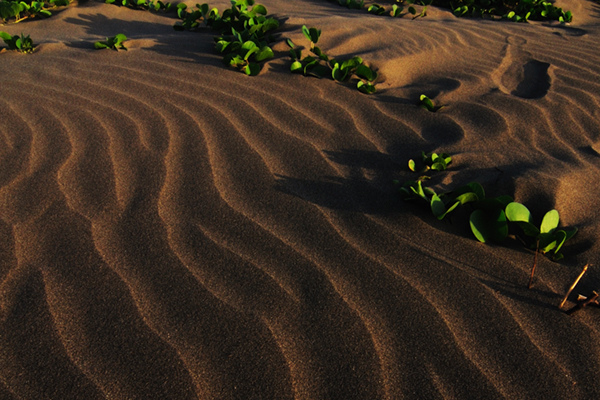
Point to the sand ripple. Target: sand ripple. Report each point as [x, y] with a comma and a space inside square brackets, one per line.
[173, 229]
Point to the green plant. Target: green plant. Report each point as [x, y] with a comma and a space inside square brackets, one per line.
[21, 44]
[22, 10]
[321, 65]
[514, 10]
[426, 103]
[434, 161]
[352, 4]
[115, 43]
[151, 5]
[545, 239]
[244, 32]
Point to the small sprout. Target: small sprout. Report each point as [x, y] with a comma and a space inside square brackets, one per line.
[432, 161]
[547, 238]
[320, 65]
[412, 165]
[376, 9]
[365, 87]
[396, 11]
[115, 43]
[22, 44]
[426, 103]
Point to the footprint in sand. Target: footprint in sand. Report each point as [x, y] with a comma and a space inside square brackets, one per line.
[520, 74]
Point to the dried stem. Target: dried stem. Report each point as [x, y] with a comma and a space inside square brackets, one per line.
[579, 306]
[535, 257]
[562, 303]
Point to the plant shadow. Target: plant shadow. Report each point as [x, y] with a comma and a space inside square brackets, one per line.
[191, 46]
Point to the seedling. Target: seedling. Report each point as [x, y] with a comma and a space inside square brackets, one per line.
[150, 5]
[22, 44]
[426, 103]
[547, 238]
[433, 161]
[22, 10]
[321, 65]
[352, 4]
[244, 32]
[376, 9]
[115, 43]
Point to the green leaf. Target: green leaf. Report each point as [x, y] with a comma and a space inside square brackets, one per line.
[426, 103]
[366, 87]
[259, 9]
[264, 53]
[550, 222]
[468, 197]
[5, 36]
[489, 226]
[438, 207]
[296, 66]
[411, 165]
[338, 74]
[517, 212]
[252, 69]
[528, 228]
[547, 242]
[365, 72]
[290, 43]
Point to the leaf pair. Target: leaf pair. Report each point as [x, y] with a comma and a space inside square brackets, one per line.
[548, 237]
[244, 56]
[320, 65]
[114, 43]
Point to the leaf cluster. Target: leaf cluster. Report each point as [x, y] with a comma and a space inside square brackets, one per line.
[17, 11]
[397, 10]
[320, 65]
[490, 216]
[352, 4]
[114, 43]
[514, 10]
[244, 32]
[150, 5]
[433, 161]
[22, 44]
[547, 238]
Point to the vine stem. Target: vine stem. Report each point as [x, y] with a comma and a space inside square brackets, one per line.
[535, 257]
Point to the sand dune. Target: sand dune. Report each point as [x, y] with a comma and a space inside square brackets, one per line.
[173, 229]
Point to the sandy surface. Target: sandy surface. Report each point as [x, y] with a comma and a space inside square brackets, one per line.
[173, 229]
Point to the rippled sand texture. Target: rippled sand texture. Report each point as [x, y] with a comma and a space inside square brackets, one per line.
[173, 229]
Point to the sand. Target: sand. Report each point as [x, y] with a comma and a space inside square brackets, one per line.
[173, 229]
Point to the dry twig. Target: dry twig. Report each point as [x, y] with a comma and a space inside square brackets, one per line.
[562, 303]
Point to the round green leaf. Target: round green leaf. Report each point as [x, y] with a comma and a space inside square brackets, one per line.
[517, 212]
[264, 53]
[438, 207]
[489, 226]
[550, 221]
[366, 87]
[252, 69]
[296, 66]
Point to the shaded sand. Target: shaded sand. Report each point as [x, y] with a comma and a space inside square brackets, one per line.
[172, 229]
